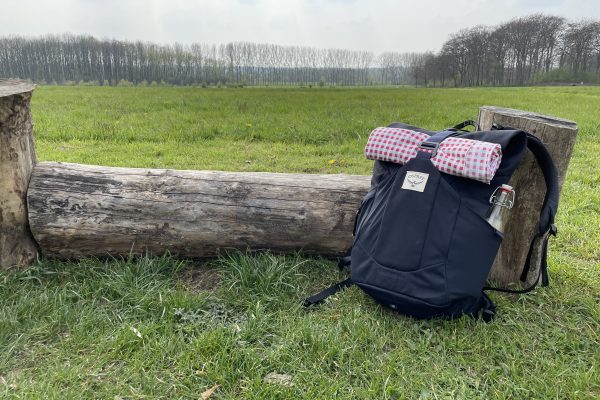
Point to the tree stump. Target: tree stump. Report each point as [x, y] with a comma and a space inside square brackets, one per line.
[17, 158]
[559, 137]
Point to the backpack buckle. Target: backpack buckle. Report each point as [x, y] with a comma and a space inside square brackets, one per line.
[430, 146]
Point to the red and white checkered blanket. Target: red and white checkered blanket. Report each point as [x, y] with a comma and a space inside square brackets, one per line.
[468, 158]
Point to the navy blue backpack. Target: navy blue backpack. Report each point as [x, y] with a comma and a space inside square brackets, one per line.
[428, 254]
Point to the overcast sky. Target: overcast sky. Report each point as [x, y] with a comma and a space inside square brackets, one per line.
[377, 25]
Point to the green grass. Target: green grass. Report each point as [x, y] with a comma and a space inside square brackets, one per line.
[294, 130]
[70, 330]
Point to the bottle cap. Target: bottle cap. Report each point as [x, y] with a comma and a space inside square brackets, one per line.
[506, 188]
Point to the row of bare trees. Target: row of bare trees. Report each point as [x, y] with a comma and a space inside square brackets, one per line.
[84, 58]
[526, 50]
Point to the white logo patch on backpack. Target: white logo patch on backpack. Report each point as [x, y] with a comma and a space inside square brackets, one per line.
[415, 181]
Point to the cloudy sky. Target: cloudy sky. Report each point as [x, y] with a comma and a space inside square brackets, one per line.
[377, 25]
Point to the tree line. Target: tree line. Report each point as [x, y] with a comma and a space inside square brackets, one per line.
[74, 58]
[527, 50]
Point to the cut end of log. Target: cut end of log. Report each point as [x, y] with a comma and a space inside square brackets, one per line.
[530, 116]
[10, 87]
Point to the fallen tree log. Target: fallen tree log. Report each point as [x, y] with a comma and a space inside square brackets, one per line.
[83, 210]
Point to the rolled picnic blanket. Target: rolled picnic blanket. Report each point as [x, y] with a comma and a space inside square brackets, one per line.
[468, 158]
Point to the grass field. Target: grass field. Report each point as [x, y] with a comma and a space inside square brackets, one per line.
[162, 328]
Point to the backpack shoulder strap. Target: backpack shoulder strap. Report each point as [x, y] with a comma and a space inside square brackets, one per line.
[330, 291]
[548, 168]
[546, 226]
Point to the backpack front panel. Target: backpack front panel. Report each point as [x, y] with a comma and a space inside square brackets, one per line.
[425, 254]
[416, 227]
[403, 237]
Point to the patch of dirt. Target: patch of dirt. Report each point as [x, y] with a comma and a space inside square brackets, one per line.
[279, 379]
[200, 277]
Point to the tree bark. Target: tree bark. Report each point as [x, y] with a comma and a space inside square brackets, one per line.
[17, 158]
[83, 210]
[559, 137]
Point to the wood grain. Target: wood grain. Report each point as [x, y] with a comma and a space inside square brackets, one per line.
[17, 158]
[83, 210]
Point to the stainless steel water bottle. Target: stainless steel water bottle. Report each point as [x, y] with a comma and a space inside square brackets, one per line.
[501, 201]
